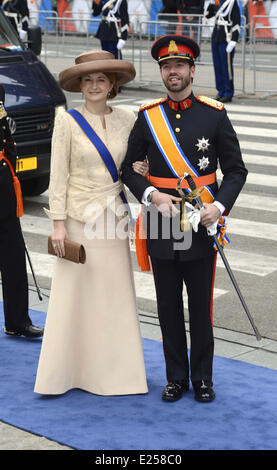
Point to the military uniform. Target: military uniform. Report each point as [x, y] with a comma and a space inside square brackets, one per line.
[226, 29]
[204, 133]
[17, 12]
[12, 247]
[114, 24]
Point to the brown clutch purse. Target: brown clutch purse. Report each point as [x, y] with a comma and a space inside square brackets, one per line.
[73, 251]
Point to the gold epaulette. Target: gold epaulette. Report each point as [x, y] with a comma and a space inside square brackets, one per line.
[211, 102]
[152, 104]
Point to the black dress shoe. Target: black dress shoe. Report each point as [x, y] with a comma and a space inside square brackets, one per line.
[174, 390]
[225, 99]
[30, 331]
[218, 97]
[203, 391]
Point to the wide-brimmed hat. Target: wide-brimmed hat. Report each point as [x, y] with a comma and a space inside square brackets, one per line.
[96, 61]
[174, 46]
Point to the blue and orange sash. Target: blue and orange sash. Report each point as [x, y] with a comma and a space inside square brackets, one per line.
[101, 149]
[171, 151]
[178, 164]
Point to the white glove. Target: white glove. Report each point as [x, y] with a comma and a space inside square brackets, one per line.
[120, 44]
[194, 219]
[22, 34]
[230, 46]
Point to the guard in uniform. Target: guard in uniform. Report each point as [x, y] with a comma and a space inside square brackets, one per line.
[113, 29]
[12, 246]
[177, 134]
[225, 36]
[17, 12]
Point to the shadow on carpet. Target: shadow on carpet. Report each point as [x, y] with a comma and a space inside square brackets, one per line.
[242, 417]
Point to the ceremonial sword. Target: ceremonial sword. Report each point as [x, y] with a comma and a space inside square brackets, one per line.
[198, 199]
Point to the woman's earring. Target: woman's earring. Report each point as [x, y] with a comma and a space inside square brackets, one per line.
[109, 93]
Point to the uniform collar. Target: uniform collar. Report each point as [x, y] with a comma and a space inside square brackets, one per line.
[180, 105]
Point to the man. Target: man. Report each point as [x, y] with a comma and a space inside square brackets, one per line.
[17, 12]
[169, 6]
[12, 247]
[113, 29]
[201, 136]
[224, 40]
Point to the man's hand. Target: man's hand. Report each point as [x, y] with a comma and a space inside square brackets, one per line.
[210, 215]
[164, 203]
[230, 46]
[120, 44]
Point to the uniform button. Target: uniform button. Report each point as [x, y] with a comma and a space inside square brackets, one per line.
[4, 127]
[4, 164]
[4, 140]
[177, 129]
[178, 116]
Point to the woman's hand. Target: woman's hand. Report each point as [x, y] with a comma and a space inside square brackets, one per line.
[141, 167]
[58, 237]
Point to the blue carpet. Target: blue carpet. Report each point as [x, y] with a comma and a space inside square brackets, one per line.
[242, 417]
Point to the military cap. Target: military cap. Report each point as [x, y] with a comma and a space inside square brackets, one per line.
[173, 46]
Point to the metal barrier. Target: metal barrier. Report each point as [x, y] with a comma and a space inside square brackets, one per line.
[61, 41]
[264, 62]
[184, 26]
[151, 30]
[58, 42]
[34, 15]
[264, 31]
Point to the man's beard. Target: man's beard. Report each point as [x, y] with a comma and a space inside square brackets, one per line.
[182, 85]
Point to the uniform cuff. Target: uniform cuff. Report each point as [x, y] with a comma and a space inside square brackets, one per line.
[145, 197]
[219, 206]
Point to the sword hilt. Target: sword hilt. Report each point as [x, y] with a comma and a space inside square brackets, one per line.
[193, 187]
[190, 181]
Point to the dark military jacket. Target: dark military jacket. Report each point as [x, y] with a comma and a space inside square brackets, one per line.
[111, 30]
[17, 12]
[198, 123]
[185, 7]
[7, 194]
[233, 19]
[193, 7]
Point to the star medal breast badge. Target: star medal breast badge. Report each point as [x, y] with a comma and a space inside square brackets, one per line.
[202, 144]
[203, 163]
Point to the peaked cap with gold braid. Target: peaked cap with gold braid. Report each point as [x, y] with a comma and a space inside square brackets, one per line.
[174, 46]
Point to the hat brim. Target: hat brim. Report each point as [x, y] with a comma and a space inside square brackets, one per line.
[69, 79]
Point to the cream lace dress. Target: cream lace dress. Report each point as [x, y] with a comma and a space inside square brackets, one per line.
[92, 337]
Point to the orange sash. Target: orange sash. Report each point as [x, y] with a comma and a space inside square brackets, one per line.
[171, 183]
[177, 162]
[16, 185]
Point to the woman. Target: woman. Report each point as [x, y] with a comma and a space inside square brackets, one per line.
[92, 339]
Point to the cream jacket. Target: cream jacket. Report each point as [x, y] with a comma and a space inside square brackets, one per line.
[80, 183]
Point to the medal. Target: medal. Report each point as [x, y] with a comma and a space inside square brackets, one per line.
[203, 163]
[203, 144]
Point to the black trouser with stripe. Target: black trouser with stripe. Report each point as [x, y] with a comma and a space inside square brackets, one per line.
[14, 275]
[198, 276]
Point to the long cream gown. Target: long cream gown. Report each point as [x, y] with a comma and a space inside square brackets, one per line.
[92, 337]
